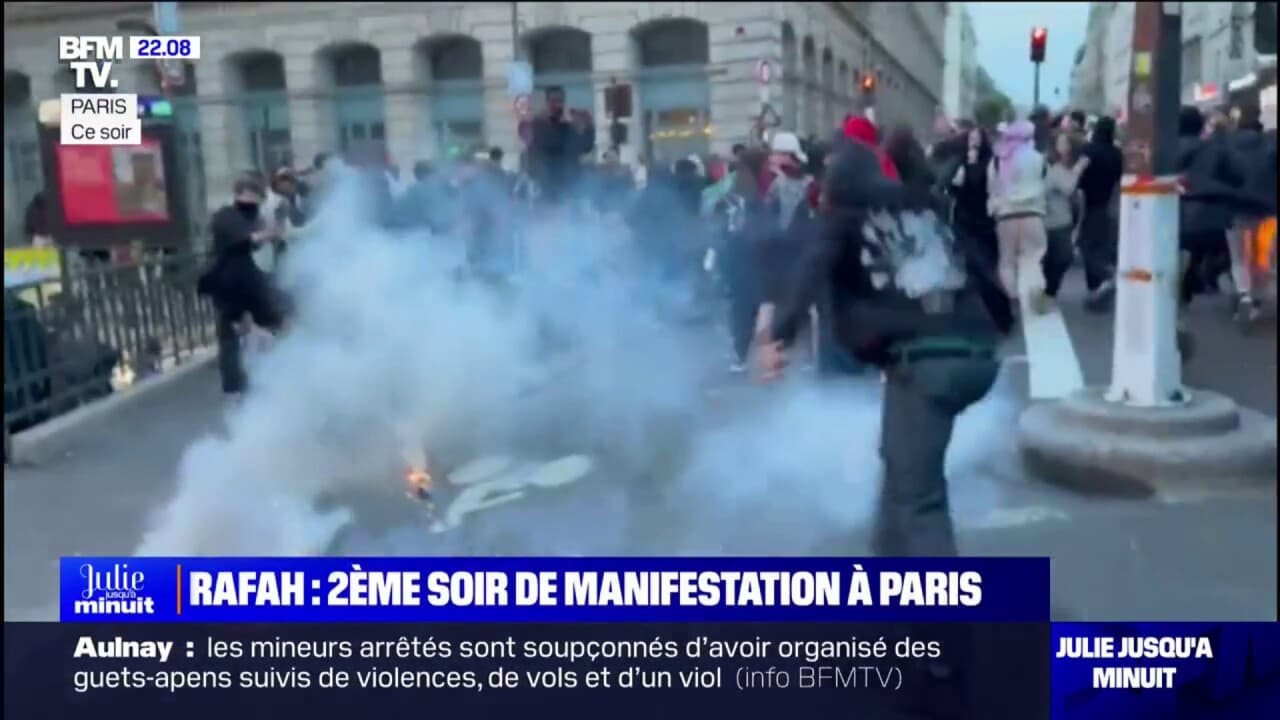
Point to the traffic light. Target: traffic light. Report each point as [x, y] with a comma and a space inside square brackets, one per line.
[1039, 36]
[868, 83]
[1264, 28]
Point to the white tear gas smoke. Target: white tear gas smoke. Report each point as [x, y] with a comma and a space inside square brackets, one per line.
[389, 353]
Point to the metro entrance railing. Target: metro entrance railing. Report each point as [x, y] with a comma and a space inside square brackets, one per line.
[92, 327]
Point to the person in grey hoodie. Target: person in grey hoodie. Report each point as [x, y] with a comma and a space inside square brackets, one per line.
[1017, 202]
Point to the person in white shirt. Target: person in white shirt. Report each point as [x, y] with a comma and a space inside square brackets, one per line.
[264, 254]
[1017, 202]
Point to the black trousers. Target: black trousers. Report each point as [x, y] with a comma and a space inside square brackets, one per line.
[921, 401]
[744, 303]
[1057, 259]
[266, 306]
[1098, 239]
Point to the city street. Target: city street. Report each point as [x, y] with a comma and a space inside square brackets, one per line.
[762, 476]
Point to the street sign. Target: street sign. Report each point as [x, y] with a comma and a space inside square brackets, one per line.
[764, 71]
[522, 105]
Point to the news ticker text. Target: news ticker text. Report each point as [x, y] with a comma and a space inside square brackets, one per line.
[96, 666]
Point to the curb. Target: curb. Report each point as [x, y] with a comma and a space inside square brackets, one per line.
[1087, 445]
[58, 435]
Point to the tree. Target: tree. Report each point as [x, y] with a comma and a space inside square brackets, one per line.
[992, 107]
[993, 110]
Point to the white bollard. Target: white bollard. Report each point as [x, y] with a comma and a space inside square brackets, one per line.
[1146, 365]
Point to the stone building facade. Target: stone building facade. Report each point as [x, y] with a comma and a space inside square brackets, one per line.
[279, 82]
[960, 83]
[1219, 63]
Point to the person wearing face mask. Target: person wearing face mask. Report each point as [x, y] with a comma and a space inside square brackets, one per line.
[241, 292]
[791, 198]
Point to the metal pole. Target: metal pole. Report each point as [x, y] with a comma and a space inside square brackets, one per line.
[1146, 362]
[1035, 92]
[1168, 94]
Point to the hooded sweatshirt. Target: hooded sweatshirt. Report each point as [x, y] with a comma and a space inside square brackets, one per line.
[863, 132]
[1017, 185]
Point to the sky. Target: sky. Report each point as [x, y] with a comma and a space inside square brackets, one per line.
[1004, 46]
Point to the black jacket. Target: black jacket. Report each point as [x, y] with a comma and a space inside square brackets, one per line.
[876, 237]
[1255, 153]
[233, 275]
[555, 153]
[1214, 179]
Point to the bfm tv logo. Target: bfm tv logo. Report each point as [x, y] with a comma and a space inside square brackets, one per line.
[113, 591]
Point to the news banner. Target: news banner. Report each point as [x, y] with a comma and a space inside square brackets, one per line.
[96, 114]
[340, 637]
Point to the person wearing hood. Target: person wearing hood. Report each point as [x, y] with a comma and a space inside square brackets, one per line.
[1257, 202]
[1213, 180]
[860, 130]
[1102, 165]
[1017, 202]
[902, 298]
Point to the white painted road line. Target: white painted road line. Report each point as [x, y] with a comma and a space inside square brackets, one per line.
[1054, 367]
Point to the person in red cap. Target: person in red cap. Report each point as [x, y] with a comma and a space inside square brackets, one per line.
[863, 131]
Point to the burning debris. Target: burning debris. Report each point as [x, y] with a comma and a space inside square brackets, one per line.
[420, 484]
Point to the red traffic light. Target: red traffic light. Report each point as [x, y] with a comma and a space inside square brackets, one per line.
[1039, 38]
[868, 83]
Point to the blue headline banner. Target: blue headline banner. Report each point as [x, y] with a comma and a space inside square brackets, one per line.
[1191, 671]
[553, 589]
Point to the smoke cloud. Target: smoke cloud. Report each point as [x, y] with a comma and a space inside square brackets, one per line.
[392, 357]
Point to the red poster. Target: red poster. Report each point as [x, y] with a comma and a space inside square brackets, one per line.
[105, 185]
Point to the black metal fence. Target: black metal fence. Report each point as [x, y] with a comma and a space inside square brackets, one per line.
[98, 327]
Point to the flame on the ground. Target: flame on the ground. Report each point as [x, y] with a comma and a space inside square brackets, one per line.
[420, 483]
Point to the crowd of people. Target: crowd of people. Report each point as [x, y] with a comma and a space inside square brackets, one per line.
[868, 250]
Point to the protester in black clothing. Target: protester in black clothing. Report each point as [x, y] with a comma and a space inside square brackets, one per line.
[1213, 178]
[740, 215]
[559, 140]
[908, 156]
[1256, 201]
[974, 226]
[238, 288]
[1099, 228]
[903, 299]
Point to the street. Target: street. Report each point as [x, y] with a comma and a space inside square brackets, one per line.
[761, 472]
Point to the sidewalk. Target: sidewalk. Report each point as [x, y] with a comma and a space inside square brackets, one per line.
[96, 499]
